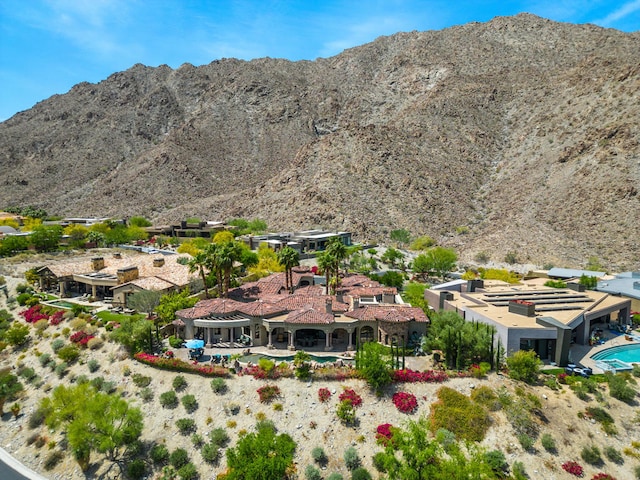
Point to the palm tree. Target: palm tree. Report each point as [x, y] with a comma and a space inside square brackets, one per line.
[198, 263]
[226, 255]
[325, 263]
[338, 252]
[288, 258]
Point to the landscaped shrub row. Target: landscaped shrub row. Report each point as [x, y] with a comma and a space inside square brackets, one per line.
[37, 313]
[412, 376]
[177, 365]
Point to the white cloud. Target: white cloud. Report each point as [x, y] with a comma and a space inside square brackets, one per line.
[620, 13]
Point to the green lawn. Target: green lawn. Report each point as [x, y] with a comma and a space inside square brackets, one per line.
[107, 316]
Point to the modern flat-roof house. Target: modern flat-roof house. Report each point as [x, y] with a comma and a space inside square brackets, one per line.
[188, 230]
[117, 276]
[264, 313]
[304, 241]
[531, 316]
[625, 284]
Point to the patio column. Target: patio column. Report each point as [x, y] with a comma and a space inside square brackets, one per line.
[327, 343]
[61, 285]
[350, 339]
[94, 292]
[207, 334]
[291, 335]
[270, 343]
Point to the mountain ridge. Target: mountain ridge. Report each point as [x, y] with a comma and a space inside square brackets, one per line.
[521, 130]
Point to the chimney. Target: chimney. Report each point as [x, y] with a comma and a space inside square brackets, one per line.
[329, 306]
[117, 255]
[340, 295]
[97, 263]
[355, 302]
[158, 262]
[127, 274]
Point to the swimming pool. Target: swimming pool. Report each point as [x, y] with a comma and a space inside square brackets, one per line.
[625, 353]
[255, 357]
[60, 304]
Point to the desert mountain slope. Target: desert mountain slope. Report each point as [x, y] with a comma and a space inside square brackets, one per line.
[522, 129]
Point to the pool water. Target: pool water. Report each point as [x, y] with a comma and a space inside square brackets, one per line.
[626, 353]
[60, 304]
[254, 357]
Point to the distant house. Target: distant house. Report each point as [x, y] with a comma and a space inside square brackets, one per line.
[625, 284]
[304, 241]
[531, 316]
[567, 273]
[117, 276]
[186, 229]
[264, 313]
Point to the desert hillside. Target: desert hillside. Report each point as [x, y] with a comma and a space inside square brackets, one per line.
[521, 130]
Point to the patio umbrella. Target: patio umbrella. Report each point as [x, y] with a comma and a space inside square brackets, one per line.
[194, 343]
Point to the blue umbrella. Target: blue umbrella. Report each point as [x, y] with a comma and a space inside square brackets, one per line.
[194, 343]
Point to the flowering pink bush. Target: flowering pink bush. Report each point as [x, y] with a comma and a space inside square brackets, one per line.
[33, 314]
[412, 376]
[603, 476]
[405, 402]
[384, 434]
[81, 338]
[56, 318]
[573, 468]
[177, 365]
[268, 393]
[324, 394]
[562, 378]
[350, 395]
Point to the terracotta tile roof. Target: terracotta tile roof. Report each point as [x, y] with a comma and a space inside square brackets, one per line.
[149, 283]
[388, 313]
[370, 291]
[260, 309]
[358, 281]
[310, 316]
[318, 302]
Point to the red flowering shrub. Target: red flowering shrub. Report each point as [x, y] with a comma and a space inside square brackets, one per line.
[412, 376]
[603, 476]
[81, 338]
[351, 396]
[384, 434]
[56, 318]
[324, 394]
[562, 378]
[335, 373]
[177, 365]
[573, 468]
[33, 314]
[268, 393]
[405, 402]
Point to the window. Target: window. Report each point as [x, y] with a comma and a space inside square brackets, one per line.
[217, 331]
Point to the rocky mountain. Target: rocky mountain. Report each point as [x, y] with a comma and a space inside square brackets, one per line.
[517, 135]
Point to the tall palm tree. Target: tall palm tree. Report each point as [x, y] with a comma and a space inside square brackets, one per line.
[198, 263]
[288, 258]
[338, 252]
[325, 263]
[227, 254]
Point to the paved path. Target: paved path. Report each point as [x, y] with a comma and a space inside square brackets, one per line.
[12, 469]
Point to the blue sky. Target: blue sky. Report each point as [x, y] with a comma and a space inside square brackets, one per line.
[47, 46]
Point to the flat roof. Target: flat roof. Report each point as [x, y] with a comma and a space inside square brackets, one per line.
[573, 273]
[627, 284]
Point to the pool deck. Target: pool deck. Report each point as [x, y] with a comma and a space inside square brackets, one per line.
[582, 353]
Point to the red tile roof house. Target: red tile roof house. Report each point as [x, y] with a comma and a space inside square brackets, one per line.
[263, 313]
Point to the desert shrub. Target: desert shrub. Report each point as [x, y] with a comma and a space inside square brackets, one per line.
[179, 458]
[360, 473]
[312, 473]
[188, 472]
[526, 441]
[523, 365]
[37, 418]
[146, 394]
[197, 440]
[159, 454]
[95, 343]
[61, 369]
[190, 403]
[140, 380]
[175, 342]
[458, 414]
[486, 397]
[53, 459]
[169, 399]
[591, 455]
[109, 387]
[445, 438]
[346, 412]
[27, 373]
[68, 353]
[219, 437]
[613, 454]
[219, 386]
[210, 452]
[378, 460]
[548, 442]
[57, 344]
[179, 383]
[44, 359]
[620, 389]
[497, 461]
[268, 393]
[185, 425]
[351, 458]
[77, 324]
[231, 408]
[93, 365]
[318, 455]
[335, 476]
[97, 383]
[136, 469]
[519, 472]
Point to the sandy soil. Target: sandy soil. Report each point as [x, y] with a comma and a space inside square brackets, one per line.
[300, 409]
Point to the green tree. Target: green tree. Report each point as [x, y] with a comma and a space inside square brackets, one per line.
[144, 301]
[337, 252]
[96, 237]
[438, 260]
[202, 262]
[46, 238]
[288, 258]
[139, 222]
[93, 421]
[400, 235]
[392, 257]
[9, 388]
[13, 244]
[588, 281]
[413, 293]
[77, 234]
[392, 279]
[325, 264]
[422, 243]
[171, 303]
[17, 335]
[374, 362]
[263, 455]
[524, 365]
